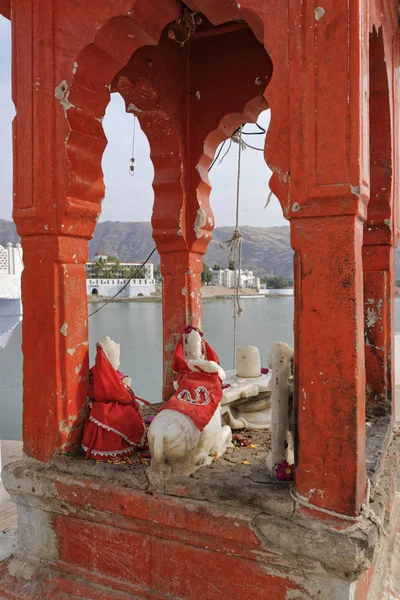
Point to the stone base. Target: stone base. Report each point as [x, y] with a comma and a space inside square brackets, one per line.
[99, 532]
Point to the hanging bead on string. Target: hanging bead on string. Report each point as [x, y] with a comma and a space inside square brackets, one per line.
[132, 161]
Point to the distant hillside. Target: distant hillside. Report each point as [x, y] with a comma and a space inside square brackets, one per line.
[265, 250]
[127, 241]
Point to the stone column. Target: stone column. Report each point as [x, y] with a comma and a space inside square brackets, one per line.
[379, 231]
[54, 343]
[329, 361]
[55, 214]
[329, 192]
[379, 327]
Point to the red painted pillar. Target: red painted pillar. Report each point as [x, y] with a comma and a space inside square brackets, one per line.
[379, 327]
[330, 361]
[329, 191]
[379, 236]
[54, 226]
[54, 343]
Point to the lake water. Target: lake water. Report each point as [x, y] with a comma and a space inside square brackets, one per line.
[137, 326]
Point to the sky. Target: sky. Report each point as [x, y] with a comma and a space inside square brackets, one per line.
[131, 198]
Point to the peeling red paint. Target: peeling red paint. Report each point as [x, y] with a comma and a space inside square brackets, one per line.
[334, 104]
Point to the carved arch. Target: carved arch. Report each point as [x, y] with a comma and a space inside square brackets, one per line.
[85, 98]
[180, 86]
[143, 99]
[226, 127]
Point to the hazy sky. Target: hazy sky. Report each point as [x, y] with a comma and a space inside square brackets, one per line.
[131, 198]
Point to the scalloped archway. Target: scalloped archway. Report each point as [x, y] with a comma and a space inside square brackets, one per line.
[188, 100]
[84, 98]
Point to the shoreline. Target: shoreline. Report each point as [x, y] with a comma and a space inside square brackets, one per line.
[158, 299]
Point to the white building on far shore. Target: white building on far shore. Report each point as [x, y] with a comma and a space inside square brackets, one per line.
[11, 266]
[107, 277]
[109, 287]
[119, 269]
[226, 278]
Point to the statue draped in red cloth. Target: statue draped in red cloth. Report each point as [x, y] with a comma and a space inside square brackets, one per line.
[114, 427]
[199, 375]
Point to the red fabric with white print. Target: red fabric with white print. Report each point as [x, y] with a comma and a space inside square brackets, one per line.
[199, 393]
[114, 427]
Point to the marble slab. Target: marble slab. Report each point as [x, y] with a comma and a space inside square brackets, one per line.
[244, 388]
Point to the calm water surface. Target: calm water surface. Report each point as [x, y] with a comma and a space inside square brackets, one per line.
[137, 326]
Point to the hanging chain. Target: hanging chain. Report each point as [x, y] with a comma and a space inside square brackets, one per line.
[132, 161]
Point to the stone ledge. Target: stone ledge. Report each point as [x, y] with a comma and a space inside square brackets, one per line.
[255, 520]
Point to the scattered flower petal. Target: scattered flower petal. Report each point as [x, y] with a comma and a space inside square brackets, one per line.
[284, 471]
[240, 440]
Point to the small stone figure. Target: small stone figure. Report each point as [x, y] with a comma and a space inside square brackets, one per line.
[187, 433]
[246, 400]
[248, 362]
[280, 361]
[114, 427]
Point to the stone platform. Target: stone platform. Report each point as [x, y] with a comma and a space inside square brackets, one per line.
[246, 402]
[100, 532]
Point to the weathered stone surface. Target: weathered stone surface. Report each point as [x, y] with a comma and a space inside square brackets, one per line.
[8, 542]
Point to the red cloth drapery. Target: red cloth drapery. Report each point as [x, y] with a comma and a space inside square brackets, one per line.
[114, 426]
[179, 364]
[199, 393]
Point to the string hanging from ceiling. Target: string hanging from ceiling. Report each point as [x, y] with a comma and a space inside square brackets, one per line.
[234, 244]
[132, 160]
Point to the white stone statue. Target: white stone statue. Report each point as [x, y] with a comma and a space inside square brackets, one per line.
[113, 352]
[187, 434]
[280, 361]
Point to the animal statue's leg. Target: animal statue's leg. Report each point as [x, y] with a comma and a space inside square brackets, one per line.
[224, 441]
[223, 435]
[173, 441]
[214, 439]
[231, 420]
[280, 362]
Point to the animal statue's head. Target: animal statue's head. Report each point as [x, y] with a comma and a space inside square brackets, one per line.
[112, 351]
[193, 346]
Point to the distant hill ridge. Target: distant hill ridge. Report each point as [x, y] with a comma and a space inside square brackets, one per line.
[266, 250]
